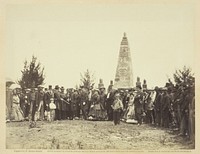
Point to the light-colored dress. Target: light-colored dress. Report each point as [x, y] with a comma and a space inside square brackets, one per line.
[131, 110]
[17, 114]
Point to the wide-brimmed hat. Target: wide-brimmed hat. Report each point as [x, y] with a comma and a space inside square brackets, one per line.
[40, 86]
[117, 95]
[57, 87]
[96, 90]
[15, 86]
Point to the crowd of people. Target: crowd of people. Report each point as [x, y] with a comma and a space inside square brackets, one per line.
[166, 107]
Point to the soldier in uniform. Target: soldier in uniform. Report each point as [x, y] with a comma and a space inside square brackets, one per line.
[27, 104]
[102, 101]
[166, 108]
[139, 104]
[109, 101]
[75, 99]
[40, 103]
[187, 98]
[158, 106]
[63, 103]
[47, 99]
[68, 104]
[58, 102]
[32, 97]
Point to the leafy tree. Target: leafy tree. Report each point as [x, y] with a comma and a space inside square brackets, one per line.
[87, 79]
[184, 77]
[32, 74]
[184, 83]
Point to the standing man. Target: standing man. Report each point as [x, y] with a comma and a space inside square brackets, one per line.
[63, 103]
[58, 102]
[158, 106]
[27, 104]
[74, 105]
[150, 107]
[40, 103]
[68, 104]
[48, 97]
[117, 107]
[109, 101]
[84, 102]
[166, 108]
[139, 104]
[102, 101]
[32, 97]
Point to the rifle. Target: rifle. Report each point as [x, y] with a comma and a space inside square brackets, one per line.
[64, 101]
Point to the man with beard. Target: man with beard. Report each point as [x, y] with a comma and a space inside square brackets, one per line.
[139, 104]
[63, 103]
[102, 100]
[158, 106]
[32, 97]
[75, 99]
[109, 101]
[48, 96]
[57, 100]
[40, 103]
[166, 108]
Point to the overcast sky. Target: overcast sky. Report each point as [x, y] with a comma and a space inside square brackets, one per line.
[68, 39]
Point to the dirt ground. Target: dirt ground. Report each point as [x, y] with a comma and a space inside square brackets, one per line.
[91, 135]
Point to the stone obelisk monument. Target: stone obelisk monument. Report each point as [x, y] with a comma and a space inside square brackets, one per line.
[124, 72]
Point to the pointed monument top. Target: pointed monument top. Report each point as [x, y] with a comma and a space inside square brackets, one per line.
[124, 34]
[124, 40]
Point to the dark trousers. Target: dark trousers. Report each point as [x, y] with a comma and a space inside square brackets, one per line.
[110, 114]
[139, 117]
[68, 114]
[58, 114]
[166, 116]
[78, 111]
[116, 117]
[73, 113]
[27, 109]
[84, 113]
[158, 118]
[150, 116]
[63, 116]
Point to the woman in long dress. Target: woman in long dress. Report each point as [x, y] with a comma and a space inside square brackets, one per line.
[17, 114]
[131, 108]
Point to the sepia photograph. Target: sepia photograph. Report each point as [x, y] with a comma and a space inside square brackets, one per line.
[100, 75]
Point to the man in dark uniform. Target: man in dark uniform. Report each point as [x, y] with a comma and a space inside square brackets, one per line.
[63, 103]
[40, 103]
[167, 100]
[47, 99]
[109, 101]
[139, 107]
[158, 106]
[75, 99]
[27, 104]
[32, 97]
[102, 101]
[57, 100]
